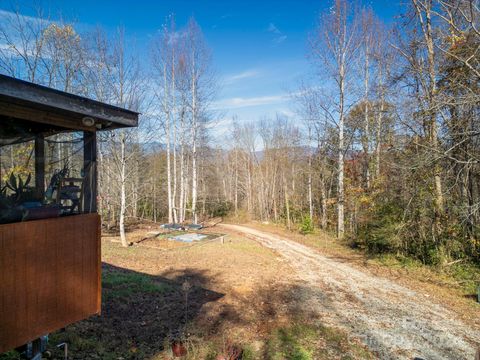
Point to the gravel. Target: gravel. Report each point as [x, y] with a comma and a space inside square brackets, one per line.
[392, 320]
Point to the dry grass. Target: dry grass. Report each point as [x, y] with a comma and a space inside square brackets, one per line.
[215, 297]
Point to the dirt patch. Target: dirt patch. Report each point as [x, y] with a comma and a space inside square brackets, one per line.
[140, 313]
[215, 297]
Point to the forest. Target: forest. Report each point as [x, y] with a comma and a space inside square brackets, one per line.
[382, 150]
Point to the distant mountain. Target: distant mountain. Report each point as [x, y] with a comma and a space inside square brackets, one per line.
[306, 150]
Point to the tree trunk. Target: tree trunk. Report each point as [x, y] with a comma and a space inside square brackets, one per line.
[167, 130]
[174, 149]
[182, 169]
[340, 189]
[378, 136]
[122, 190]
[433, 121]
[323, 200]
[366, 125]
[310, 196]
[287, 204]
[432, 127]
[194, 142]
[236, 182]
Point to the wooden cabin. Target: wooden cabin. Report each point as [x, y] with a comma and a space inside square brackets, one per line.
[50, 243]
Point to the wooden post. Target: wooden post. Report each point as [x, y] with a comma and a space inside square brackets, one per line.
[90, 171]
[40, 166]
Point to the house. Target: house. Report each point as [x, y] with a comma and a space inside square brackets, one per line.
[50, 260]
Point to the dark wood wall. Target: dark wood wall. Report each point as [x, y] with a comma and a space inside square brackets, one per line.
[49, 276]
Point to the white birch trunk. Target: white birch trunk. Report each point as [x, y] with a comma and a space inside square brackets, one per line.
[194, 142]
[122, 190]
[323, 195]
[366, 121]
[182, 177]
[173, 113]
[310, 196]
[378, 136]
[167, 130]
[340, 185]
[236, 182]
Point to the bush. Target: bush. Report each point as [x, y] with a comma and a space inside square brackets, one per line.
[218, 209]
[381, 234]
[307, 225]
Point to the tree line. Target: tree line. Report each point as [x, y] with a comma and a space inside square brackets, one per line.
[387, 152]
[383, 149]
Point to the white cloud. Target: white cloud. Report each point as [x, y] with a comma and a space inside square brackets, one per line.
[11, 16]
[279, 35]
[247, 74]
[273, 29]
[241, 102]
[286, 112]
[280, 39]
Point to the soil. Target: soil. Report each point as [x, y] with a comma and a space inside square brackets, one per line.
[210, 293]
[393, 320]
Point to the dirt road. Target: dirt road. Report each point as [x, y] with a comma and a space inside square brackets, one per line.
[390, 319]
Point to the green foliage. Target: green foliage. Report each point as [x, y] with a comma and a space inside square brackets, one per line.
[248, 353]
[78, 342]
[382, 233]
[242, 216]
[304, 341]
[124, 285]
[10, 355]
[468, 275]
[399, 260]
[306, 226]
[291, 343]
[12, 195]
[218, 209]
[20, 191]
[16, 184]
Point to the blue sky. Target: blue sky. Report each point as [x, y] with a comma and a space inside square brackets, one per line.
[258, 47]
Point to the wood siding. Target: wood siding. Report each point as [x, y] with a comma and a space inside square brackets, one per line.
[49, 276]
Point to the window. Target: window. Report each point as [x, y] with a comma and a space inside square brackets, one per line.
[43, 173]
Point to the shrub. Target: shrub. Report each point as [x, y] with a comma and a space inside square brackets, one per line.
[381, 234]
[307, 225]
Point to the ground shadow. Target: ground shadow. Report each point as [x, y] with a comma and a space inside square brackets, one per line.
[141, 313]
[473, 297]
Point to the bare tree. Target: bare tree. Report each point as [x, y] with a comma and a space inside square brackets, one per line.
[423, 9]
[122, 84]
[334, 45]
[23, 40]
[164, 64]
[202, 87]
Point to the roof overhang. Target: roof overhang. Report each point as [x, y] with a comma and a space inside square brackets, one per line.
[39, 104]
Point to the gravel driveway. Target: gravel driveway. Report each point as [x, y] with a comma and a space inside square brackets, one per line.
[392, 320]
